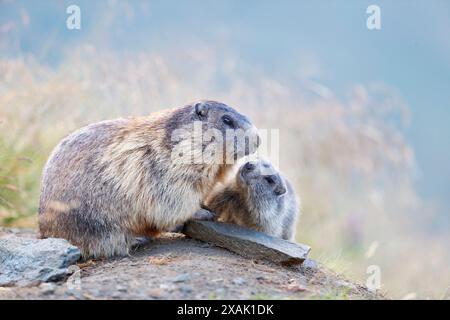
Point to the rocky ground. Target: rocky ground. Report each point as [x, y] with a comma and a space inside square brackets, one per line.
[176, 267]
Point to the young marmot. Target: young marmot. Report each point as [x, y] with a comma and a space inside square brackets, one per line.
[258, 197]
[116, 180]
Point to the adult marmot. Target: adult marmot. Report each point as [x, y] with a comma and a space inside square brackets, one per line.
[116, 180]
[258, 197]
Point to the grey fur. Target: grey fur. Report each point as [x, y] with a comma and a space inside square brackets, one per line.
[250, 200]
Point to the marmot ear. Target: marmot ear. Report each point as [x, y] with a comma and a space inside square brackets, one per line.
[280, 189]
[201, 109]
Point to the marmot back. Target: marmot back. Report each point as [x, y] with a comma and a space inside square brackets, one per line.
[260, 198]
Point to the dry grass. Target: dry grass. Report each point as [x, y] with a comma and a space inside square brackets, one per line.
[347, 158]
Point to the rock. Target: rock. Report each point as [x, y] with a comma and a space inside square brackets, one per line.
[294, 285]
[310, 266]
[182, 278]
[47, 288]
[247, 242]
[121, 288]
[167, 287]
[27, 261]
[239, 281]
[156, 293]
[186, 289]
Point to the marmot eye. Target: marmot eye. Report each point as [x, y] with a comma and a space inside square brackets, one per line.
[270, 180]
[228, 121]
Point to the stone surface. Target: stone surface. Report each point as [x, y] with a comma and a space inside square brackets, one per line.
[247, 242]
[26, 261]
[309, 266]
[239, 281]
[182, 278]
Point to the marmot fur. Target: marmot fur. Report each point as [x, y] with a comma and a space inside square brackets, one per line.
[116, 180]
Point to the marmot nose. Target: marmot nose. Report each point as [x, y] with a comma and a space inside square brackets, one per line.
[249, 166]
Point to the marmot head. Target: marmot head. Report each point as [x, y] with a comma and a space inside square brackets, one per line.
[261, 182]
[218, 132]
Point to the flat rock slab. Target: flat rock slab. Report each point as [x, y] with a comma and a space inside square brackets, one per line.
[27, 261]
[247, 242]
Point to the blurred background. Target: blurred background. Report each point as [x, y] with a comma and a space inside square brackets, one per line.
[363, 114]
